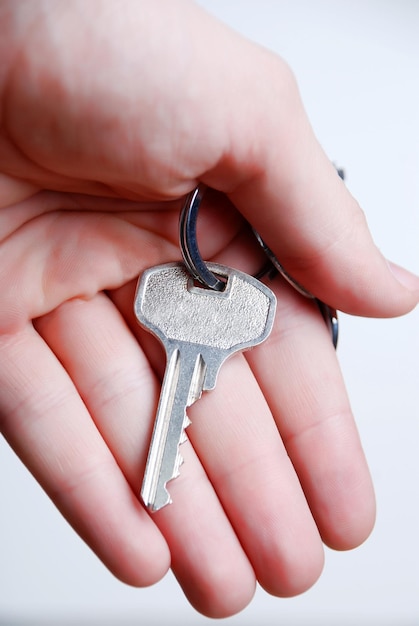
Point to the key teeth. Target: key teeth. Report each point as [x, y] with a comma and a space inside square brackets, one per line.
[179, 462]
[184, 437]
[176, 473]
[156, 503]
[179, 457]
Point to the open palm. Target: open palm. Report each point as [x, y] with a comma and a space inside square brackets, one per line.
[93, 173]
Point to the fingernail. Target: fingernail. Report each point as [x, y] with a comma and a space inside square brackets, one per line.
[404, 277]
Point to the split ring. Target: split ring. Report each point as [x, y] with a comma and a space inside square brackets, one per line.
[189, 245]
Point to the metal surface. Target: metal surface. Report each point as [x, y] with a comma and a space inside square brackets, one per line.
[189, 244]
[199, 328]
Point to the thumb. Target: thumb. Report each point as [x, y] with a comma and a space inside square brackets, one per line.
[294, 198]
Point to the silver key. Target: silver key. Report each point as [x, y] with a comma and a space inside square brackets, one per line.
[199, 328]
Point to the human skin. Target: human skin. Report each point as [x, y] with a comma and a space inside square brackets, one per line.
[110, 113]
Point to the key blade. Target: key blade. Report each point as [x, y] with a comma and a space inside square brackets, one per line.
[182, 386]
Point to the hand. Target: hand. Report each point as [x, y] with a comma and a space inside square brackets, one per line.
[109, 117]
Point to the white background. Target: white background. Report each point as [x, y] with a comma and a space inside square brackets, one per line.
[357, 63]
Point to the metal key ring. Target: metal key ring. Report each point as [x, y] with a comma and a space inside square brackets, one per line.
[189, 245]
[199, 270]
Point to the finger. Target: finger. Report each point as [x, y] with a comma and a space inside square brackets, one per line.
[242, 452]
[46, 422]
[238, 443]
[292, 195]
[313, 414]
[57, 247]
[103, 358]
[57, 256]
[300, 377]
